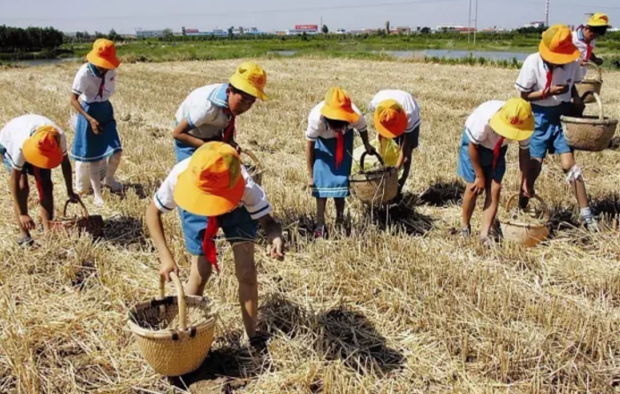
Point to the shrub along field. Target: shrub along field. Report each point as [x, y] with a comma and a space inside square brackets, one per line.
[401, 304]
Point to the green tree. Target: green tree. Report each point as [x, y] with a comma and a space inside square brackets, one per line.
[167, 34]
[325, 29]
[114, 36]
[425, 30]
[387, 27]
[231, 32]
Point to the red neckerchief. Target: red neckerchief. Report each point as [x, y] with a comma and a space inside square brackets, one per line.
[229, 132]
[496, 151]
[589, 53]
[208, 243]
[545, 92]
[339, 148]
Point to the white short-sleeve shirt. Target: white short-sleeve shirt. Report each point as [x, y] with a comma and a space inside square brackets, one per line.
[87, 83]
[478, 129]
[317, 125]
[533, 77]
[582, 45]
[254, 198]
[406, 100]
[204, 111]
[18, 130]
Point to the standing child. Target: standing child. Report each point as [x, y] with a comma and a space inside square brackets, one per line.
[329, 150]
[209, 112]
[34, 145]
[547, 80]
[482, 156]
[96, 142]
[396, 116]
[585, 37]
[219, 192]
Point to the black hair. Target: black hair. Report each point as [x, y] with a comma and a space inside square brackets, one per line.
[336, 124]
[600, 30]
[234, 90]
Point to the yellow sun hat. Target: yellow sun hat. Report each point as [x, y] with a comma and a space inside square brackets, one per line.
[103, 54]
[557, 45]
[251, 79]
[515, 120]
[212, 184]
[599, 20]
[338, 106]
[390, 119]
[43, 148]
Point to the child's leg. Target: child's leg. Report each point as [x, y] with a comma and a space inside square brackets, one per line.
[245, 269]
[340, 204]
[199, 275]
[23, 190]
[535, 168]
[576, 181]
[95, 181]
[491, 205]
[113, 162]
[320, 211]
[46, 209]
[82, 177]
[469, 204]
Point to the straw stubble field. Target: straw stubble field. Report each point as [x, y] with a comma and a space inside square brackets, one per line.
[409, 308]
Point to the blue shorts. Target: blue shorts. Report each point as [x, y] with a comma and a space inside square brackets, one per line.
[466, 168]
[238, 226]
[548, 135]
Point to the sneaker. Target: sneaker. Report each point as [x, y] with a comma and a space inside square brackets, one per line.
[591, 224]
[466, 232]
[320, 232]
[114, 185]
[26, 242]
[488, 242]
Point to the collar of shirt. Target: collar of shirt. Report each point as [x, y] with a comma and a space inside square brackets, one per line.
[93, 69]
[580, 34]
[219, 97]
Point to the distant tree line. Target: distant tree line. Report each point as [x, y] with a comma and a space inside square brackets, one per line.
[32, 39]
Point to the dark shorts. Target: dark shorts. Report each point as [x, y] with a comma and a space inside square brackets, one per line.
[414, 136]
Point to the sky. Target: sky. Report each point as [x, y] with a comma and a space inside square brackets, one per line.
[125, 16]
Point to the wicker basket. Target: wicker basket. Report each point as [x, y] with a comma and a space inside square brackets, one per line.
[589, 133]
[257, 169]
[591, 84]
[526, 234]
[86, 223]
[376, 187]
[173, 352]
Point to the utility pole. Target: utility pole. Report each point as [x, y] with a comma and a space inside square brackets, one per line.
[547, 15]
[476, 23]
[469, 23]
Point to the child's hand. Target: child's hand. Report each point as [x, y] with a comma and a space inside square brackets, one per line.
[276, 248]
[558, 89]
[27, 222]
[167, 266]
[371, 150]
[478, 187]
[95, 126]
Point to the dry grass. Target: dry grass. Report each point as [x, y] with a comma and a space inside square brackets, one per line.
[400, 305]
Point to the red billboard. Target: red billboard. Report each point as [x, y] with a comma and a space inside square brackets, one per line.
[307, 27]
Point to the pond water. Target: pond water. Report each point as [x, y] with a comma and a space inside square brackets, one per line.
[46, 62]
[441, 53]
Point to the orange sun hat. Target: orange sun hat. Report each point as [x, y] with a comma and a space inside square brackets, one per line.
[515, 120]
[251, 79]
[338, 106]
[390, 119]
[43, 148]
[103, 54]
[557, 46]
[212, 184]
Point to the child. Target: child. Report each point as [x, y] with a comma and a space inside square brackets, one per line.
[209, 112]
[547, 80]
[96, 142]
[397, 119]
[219, 192]
[328, 152]
[585, 37]
[34, 145]
[482, 156]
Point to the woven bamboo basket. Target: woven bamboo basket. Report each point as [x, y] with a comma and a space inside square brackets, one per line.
[91, 224]
[375, 187]
[591, 84]
[526, 234]
[173, 351]
[589, 133]
[257, 169]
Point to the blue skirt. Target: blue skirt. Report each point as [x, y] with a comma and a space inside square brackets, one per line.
[466, 168]
[548, 134]
[329, 181]
[91, 147]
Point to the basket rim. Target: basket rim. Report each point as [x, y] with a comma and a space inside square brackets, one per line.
[592, 121]
[168, 334]
[366, 177]
[526, 225]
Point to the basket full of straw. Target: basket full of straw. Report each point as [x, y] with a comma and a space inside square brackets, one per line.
[174, 333]
[375, 187]
[529, 227]
[589, 133]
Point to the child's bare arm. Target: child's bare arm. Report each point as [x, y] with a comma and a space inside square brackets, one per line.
[20, 201]
[274, 234]
[156, 229]
[67, 175]
[181, 134]
[479, 183]
[75, 103]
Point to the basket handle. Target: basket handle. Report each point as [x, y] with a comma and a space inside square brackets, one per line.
[84, 210]
[252, 156]
[599, 72]
[545, 208]
[363, 158]
[180, 297]
[599, 102]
